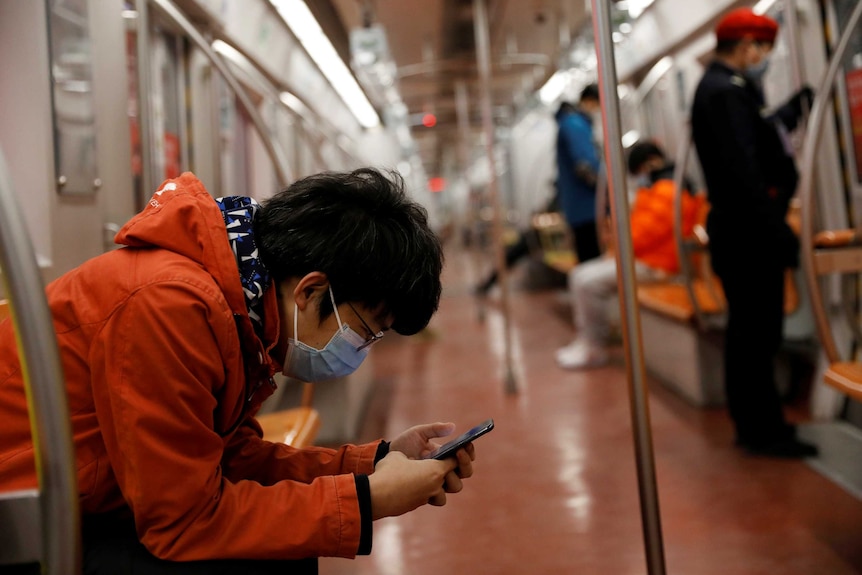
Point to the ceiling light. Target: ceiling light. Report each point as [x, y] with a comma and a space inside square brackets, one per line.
[636, 7]
[763, 7]
[554, 87]
[629, 138]
[302, 23]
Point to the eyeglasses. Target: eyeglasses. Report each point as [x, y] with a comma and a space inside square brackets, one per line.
[375, 337]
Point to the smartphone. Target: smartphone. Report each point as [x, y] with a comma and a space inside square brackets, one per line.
[449, 449]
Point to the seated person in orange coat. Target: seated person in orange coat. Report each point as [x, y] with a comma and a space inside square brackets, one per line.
[170, 344]
[594, 283]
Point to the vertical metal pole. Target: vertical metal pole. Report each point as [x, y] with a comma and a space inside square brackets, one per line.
[645, 461]
[797, 66]
[682, 248]
[142, 60]
[462, 113]
[183, 96]
[797, 63]
[483, 60]
[46, 393]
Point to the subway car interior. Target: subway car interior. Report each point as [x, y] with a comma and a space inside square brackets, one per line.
[628, 466]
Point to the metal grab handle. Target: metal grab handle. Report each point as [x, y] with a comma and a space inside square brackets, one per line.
[806, 185]
[273, 148]
[46, 396]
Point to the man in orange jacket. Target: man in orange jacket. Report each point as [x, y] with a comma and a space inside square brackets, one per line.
[169, 346]
[593, 284]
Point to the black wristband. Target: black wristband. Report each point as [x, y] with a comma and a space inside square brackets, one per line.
[363, 494]
[382, 451]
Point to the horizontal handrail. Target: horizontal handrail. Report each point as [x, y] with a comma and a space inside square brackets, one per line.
[279, 159]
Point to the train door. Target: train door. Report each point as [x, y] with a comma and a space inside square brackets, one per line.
[204, 121]
[157, 68]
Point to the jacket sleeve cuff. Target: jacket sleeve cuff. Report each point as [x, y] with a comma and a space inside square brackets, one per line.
[363, 494]
[382, 451]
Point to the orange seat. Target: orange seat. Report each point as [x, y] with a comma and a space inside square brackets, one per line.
[846, 377]
[672, 299]
[297, 426]
[4, 309]
[836, 239]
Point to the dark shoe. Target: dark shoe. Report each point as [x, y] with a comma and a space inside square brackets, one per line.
[785, 448]
[787, 432]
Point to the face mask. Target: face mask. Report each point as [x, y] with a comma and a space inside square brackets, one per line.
[643, 181]
[337, 359]
[757, 71]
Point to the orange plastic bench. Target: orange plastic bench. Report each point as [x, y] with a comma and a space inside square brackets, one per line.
[846, 377]
[672, 299]
[296, 427]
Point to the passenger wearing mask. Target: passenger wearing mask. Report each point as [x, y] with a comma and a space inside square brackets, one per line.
[750, 177]
[593, 285]
[169, 346]
[577, 169]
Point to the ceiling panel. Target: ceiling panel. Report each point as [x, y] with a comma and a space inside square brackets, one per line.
[432, 44]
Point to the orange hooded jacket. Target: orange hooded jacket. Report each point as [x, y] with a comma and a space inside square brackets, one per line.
[652, 224]
[163, 371]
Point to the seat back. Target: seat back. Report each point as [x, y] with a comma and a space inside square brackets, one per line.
[297, 426]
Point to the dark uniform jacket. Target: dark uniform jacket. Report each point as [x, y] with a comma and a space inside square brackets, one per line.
[749, 170]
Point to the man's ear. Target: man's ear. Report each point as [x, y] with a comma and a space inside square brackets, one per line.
[312, 286]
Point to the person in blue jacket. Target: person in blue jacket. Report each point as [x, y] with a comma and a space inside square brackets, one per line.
[577, 169]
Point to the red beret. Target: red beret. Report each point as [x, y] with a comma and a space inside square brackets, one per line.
[742, 22]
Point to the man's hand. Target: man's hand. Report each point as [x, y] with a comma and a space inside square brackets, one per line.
[399, 485]
[415, 442]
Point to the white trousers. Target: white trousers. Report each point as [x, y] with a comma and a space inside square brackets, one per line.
[592, 286]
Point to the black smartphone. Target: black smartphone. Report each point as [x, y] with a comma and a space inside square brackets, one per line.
[449, 449]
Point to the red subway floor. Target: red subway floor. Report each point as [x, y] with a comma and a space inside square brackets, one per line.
[555, 487]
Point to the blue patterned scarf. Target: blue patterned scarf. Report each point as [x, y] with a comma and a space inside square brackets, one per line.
[238, 213]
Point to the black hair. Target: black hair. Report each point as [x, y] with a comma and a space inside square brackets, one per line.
[727, 46]
[590, 92]
[361, 230]
[640, 153]
[565, 108]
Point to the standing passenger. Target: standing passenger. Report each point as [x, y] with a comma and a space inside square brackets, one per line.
[577, 169]
[750, 177]
[169, 346]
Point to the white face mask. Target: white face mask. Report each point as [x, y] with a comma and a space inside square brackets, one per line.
[643, 181]
[339, 357]
[757, 71]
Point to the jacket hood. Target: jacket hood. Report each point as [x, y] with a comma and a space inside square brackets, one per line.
[183, 217]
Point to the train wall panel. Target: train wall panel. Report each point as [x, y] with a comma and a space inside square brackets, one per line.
[662, 28]
[111, 92]
[252, 24]
[25, 135]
